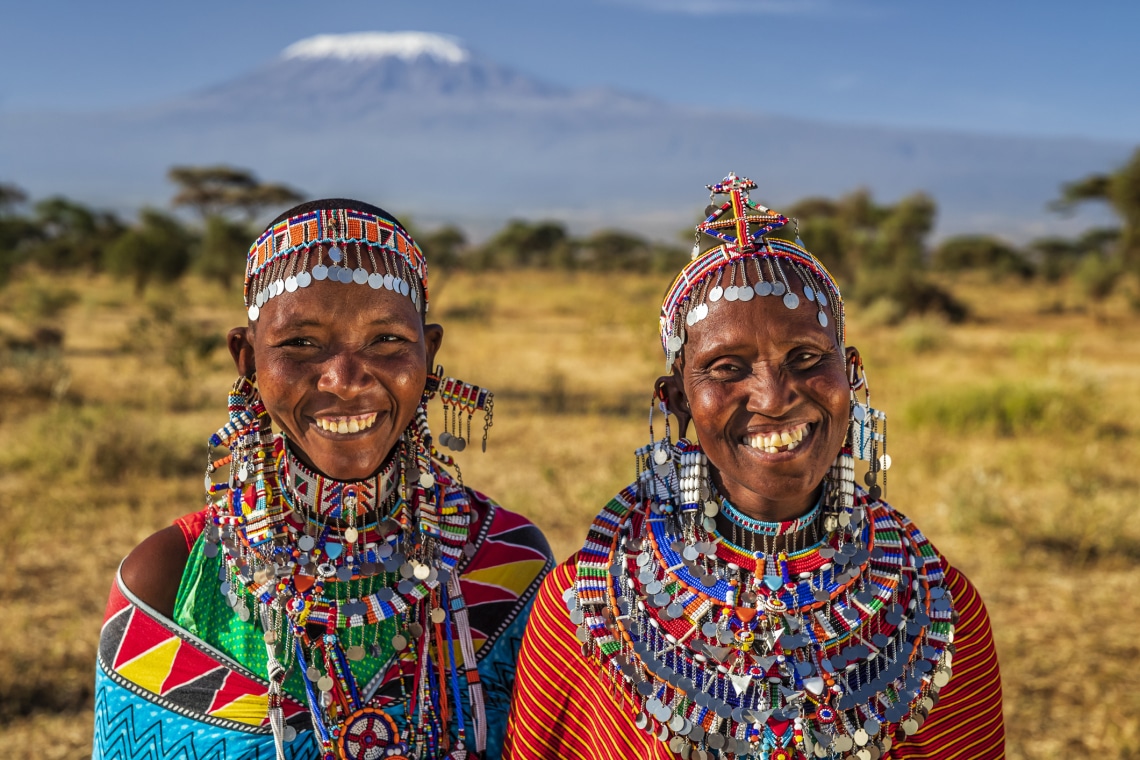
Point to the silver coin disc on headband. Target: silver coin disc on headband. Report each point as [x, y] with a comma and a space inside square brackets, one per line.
[345, 275]
[819, 296]
[375, 280]
[763, 288]
[731, 293]
[778, 288]
[405, 288]
[716, 293]
[791, 300]
[253, 313]
[334, 273]
[262, 297]
[320, 272]
[809, 294]
[360, 275]
[291, 284]
[822, 319]
[304, 280]
[745, 293]
[388, 280]
[674, 343]
[334, 253]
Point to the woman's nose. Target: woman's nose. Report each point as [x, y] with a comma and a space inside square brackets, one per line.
[344, 375]
[770, 391]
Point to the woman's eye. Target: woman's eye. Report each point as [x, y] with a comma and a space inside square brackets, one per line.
[725, 368]
[806, 358]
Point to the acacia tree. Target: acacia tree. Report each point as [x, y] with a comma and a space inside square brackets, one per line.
[1121, 191]
[156, 248]
[227, 199]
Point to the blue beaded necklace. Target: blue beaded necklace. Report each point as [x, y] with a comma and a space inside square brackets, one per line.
[741, 520]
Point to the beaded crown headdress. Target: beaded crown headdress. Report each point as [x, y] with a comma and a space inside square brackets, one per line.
[734, 260]
[339, 240]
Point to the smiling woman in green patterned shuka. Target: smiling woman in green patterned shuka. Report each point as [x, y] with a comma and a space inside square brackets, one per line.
[342, 595]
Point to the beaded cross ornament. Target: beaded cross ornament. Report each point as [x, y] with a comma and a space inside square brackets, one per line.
[743, 263]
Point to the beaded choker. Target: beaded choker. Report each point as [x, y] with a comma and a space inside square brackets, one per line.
[834, 649]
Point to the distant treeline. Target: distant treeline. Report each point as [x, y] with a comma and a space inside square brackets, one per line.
[879, 252]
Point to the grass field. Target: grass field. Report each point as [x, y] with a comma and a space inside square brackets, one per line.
[1015, 439]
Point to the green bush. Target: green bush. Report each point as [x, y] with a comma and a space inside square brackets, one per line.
[980, 253]
[1006, 408]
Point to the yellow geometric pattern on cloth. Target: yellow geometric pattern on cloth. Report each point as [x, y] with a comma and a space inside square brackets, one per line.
[248, 708]
[515, 577]
[150, 669]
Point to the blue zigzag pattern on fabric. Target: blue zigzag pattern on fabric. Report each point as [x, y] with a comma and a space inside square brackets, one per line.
[128, 726]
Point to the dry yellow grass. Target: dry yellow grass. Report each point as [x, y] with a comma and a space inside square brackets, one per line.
[1014, 438]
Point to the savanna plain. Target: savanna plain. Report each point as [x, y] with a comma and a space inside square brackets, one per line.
[1015, 439]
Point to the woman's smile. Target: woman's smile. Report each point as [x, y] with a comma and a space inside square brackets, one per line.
[782, 441]
[345, 425]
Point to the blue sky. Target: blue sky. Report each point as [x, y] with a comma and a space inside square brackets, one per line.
[1042, 67]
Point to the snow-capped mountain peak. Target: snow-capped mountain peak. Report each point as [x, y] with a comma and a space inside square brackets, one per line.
[370, 45]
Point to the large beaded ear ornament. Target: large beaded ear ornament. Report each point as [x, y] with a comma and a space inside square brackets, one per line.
[867, 435]
[460, 402]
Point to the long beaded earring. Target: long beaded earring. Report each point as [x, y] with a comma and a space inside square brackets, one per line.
[459, 399]
[868, 432]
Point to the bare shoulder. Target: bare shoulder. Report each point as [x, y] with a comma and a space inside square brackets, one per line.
[153, 570]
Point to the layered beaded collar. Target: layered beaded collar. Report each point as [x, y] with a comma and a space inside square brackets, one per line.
[830, 650]
[318, 559]
[347, 508]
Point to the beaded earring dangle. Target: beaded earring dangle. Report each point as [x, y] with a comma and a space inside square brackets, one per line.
[460, 398]
[867, 435]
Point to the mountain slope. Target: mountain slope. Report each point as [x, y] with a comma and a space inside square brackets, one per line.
[419, 123]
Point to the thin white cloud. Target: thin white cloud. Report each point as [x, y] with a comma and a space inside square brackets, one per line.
[722, 7]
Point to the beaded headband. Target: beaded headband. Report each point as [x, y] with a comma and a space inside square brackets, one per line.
[723, 270]
[359, 247]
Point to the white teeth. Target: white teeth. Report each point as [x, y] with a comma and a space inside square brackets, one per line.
[346, 425]
[771, 443]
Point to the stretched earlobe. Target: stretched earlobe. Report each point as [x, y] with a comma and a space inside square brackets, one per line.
[241, 350]
[670, 390]
[855, 374]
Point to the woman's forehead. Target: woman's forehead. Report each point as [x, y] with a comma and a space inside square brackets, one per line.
[331, 305]
[763, 323]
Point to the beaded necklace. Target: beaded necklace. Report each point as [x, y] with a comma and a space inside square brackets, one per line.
[325, 562]
[833, 645]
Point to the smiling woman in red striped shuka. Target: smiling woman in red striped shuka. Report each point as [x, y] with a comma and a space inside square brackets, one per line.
[743, 597]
